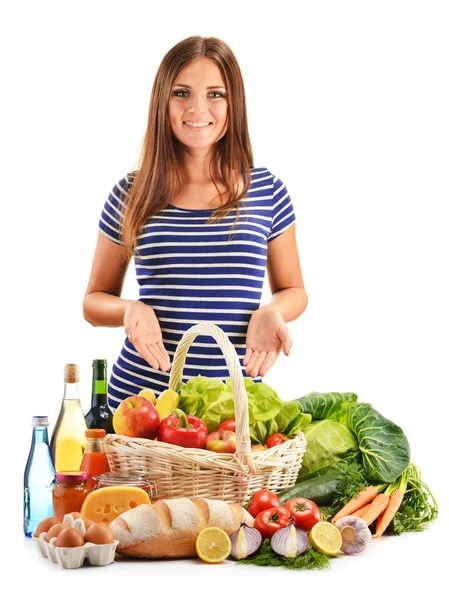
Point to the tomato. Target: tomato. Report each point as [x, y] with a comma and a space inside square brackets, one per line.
[305, 512]
[275, 439]
[271, 520]
[262, 500]
[228, 425]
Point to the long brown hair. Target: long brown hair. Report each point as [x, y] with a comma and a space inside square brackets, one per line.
[158, 179]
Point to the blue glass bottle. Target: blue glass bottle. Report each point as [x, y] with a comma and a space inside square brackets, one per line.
[38, 480]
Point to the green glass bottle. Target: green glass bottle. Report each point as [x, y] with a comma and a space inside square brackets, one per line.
[99, 415]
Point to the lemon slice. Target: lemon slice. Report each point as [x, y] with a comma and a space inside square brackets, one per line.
[326, 538]
[213, 545]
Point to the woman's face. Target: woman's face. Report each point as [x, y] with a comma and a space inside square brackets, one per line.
[199, 96]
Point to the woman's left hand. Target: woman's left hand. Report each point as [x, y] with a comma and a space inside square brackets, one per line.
[267, 334]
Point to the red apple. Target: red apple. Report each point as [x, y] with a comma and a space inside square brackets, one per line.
[229, 424]
[221, 441]
[258, 448]
[136, 417]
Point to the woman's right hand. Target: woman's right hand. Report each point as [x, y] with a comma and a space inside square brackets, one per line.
[144, 332]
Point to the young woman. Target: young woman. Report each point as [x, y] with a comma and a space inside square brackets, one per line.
[203, 225]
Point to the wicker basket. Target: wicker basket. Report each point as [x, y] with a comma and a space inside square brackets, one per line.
[187, 472]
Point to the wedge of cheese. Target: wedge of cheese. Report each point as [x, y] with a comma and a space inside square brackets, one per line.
[106, 504]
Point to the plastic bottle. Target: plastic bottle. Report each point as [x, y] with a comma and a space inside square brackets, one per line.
[38, 479]
[95, 460]
[67, 440]
[99, 415]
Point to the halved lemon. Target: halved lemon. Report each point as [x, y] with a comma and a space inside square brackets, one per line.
[326, 538]
[213, 545]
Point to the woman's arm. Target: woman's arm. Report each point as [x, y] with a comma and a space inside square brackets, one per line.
[267, 332]
[285, 277]
[102, 305]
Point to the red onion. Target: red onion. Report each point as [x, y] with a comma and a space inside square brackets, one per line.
[290, 541]
[355, 534]
[245, 541]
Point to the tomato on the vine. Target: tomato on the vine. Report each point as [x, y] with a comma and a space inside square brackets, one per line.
[262, 500]
[275, 439]
[271, 520]
[305, 512]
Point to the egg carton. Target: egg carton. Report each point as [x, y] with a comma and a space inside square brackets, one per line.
[73, 558]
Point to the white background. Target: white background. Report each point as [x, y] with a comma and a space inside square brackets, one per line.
[347, 104]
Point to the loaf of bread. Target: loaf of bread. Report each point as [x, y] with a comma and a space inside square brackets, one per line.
[169, 528]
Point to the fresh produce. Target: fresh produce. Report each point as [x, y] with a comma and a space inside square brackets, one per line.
[363, 497]
[213, 545]
[228, 425]
[386, 517]
[149, 395]
[355, 534]
[271, 520]
[223, 440]
[321, 489]
[275, 439]
[375, 508]
[212, 401]
[419, 506]
[245, 541]
[262, 500]
[327, 442]
[182, 430]
[383, 447]
[136, 417]
[258, 448]
[326, 538]
[166, 402]
[290, 541]
[169, 528]
[305, 512]
[266, 557]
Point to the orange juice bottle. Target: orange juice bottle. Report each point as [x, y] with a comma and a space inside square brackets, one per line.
[95, 460]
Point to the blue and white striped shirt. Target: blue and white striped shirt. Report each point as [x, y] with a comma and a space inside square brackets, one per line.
[190, 271]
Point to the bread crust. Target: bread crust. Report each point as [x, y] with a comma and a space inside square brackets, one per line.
[169, 528]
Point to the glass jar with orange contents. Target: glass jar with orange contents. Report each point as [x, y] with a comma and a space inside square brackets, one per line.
[69, 492]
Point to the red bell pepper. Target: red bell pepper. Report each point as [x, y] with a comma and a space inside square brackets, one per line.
[182, 430]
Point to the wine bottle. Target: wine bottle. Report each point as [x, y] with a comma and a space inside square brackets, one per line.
[99, 415]
[68, 440]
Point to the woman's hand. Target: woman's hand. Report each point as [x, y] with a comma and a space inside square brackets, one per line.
[267, 334]
[144, 332]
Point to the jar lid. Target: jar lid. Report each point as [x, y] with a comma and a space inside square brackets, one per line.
[72, 475]
[95, 433]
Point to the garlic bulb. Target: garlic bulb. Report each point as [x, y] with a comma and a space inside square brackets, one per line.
[355, 534]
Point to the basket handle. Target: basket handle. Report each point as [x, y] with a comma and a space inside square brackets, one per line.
[243, 443]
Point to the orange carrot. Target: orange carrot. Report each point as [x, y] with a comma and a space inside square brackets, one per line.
[387, 516]
[378, 505]
[362, 498]
[361, 511]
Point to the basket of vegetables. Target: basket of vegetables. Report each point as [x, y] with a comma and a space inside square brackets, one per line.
[178, 461]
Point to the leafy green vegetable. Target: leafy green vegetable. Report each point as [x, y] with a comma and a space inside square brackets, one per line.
[212, 400]
[323, 406]
[384, 446]
[266, 557]
[327, 442]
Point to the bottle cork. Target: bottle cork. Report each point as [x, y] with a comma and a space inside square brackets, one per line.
[71, 373]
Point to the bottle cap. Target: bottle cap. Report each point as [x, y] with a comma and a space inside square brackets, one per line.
[39, 422]
[71, 373]
[72, 475]
[95, 433]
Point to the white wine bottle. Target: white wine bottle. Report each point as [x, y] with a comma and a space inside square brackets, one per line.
[68, 438]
